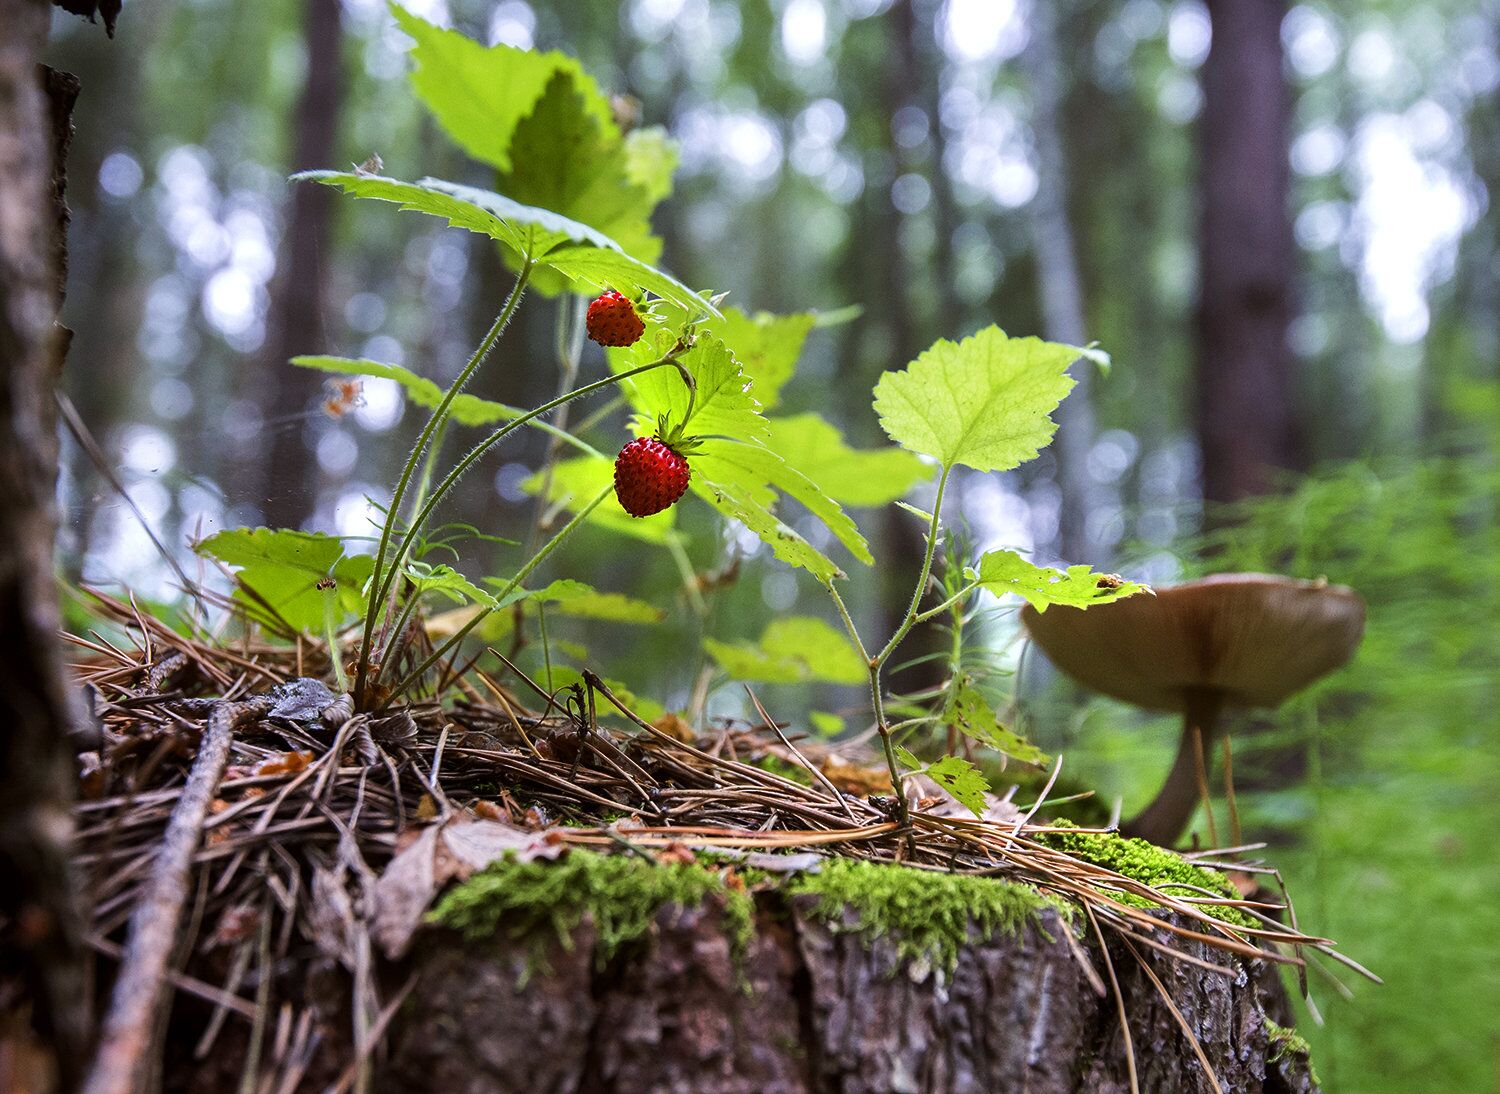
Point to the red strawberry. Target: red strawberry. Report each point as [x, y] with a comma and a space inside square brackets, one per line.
[649, 476]
[612, 320]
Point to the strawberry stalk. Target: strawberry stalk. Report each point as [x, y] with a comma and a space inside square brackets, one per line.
[378, 588]
[671, 358]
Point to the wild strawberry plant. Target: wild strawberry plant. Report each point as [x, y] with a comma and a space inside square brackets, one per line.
[570, 210]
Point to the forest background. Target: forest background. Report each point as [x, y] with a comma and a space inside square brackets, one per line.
[1278, 221]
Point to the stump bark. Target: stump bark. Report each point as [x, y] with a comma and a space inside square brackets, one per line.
[812, 1006]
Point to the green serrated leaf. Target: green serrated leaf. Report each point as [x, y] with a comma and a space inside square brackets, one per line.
[792, 650]
[448, 582]
[1078, 587]
[575, 249]
[759, 473]
[584, 601]
[905, 758]
[734, 502]
[565, 158]
[283, 568]
[724, 405]
[961, 779]
[968, 712]
[766, 345]
[853, 476]
[985, 402]
[478, 94]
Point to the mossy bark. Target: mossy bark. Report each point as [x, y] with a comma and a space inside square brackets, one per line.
[812, 1006]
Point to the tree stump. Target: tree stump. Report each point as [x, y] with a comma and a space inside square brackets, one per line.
[810, 1005]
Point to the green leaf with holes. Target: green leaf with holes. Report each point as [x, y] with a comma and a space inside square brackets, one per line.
[1041, 586]
[961, 779]
[970, 713]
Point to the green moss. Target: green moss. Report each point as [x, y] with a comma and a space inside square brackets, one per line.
[927, 914]
[1288, 1042]
[1147, 863]
[621, 894]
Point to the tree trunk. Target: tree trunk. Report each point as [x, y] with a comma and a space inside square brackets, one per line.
[39, 925]
[288, 488]
[807, 1008]
[1245, 367]
[1060, 288]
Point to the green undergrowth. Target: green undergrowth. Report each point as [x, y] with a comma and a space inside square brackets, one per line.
[1151, 865]
[927, 914]
[619, 894]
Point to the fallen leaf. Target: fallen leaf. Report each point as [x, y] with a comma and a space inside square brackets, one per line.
[856, 779]
[436, 855]
[676, 727]
[287, 763]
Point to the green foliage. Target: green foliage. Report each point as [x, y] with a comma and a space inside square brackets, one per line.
[961, 779]
[767, 347]
[564, 157]
[574, 482]
[448, 582]
[722, 406]
[556, 242]
[929, 916]
[851, 476]
[545, 902]
[1079, 587]
[281, 569]
[479, 95]
[793, 650]
[968, 712]
[1384, 840]
[984, 402]
[585, 602]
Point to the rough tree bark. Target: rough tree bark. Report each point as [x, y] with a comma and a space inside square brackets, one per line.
[287, 487]
[1247, 256]
[39, 925]
[811, 1009]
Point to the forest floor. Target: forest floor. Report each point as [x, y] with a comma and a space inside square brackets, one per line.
[255, 847]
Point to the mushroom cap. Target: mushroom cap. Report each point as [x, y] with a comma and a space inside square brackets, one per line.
[1256, 639]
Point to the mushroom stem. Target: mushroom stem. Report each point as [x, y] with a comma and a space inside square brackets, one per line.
[1164, 820]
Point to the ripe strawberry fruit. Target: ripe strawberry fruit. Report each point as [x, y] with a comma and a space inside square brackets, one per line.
[612, 320]
[650, 476]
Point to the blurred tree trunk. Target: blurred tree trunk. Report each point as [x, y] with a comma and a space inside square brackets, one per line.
[1060, 287]
[39, 925]
[288, 486]
[891, 300]
[1245, 367]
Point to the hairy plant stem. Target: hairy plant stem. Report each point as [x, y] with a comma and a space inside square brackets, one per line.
[477, 452]
[439, 416]
[878, 661]
[511, 586]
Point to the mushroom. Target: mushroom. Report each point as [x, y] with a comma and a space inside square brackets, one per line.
[1249, 640]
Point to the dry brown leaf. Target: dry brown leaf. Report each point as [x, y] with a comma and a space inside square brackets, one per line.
[288, 763]
[676, 727]
[856, 779]
[438, 854]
